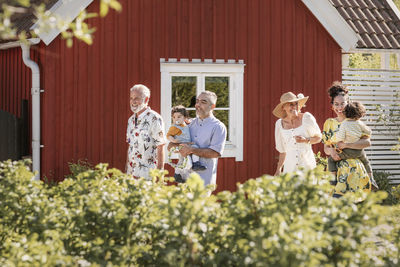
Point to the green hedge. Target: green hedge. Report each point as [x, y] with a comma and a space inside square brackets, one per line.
[104, 217]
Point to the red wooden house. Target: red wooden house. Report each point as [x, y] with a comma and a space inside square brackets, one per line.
[249, 52]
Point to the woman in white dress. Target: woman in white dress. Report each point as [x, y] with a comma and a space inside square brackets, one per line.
[295, 132]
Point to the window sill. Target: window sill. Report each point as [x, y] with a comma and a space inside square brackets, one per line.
[230, 151]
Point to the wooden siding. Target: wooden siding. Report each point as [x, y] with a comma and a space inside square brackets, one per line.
[15, 82]
[85, 105]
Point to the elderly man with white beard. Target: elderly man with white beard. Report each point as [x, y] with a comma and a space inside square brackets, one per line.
[145, 135]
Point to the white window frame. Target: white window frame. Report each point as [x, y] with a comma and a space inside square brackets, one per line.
[233, 70]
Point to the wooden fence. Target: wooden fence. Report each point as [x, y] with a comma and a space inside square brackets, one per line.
[379, 91]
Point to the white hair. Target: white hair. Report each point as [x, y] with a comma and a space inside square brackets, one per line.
[141, 88]
[211, 96]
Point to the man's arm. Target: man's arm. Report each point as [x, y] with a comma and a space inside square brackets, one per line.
[201, 152]
[160, 157]
[171, 145]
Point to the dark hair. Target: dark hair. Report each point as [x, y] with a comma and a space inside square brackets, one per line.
[336, 89]
[179, 109]
[354, 110]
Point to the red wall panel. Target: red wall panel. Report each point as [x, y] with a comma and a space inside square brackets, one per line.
[15, 81]
[85, 106]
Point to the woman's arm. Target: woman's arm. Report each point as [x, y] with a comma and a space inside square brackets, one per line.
[360, 144]
[330, 151]
[281, 160]
[313, 140]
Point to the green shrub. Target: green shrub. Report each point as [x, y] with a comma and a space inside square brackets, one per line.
[104, 217]
[383, 181]
[81, 165]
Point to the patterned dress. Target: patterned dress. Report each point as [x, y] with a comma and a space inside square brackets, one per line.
[351, 175]
[143, 137]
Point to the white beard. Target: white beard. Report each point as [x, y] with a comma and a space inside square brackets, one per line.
[138, 108]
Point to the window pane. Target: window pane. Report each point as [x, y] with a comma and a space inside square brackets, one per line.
[220, 86]
[192, 114]
[223, 116]
[183, 91]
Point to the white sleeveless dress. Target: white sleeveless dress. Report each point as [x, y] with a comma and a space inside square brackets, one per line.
[297, 154]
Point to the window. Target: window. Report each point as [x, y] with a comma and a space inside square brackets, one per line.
[182, 81]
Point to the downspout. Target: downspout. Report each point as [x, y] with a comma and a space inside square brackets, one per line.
[35, 105]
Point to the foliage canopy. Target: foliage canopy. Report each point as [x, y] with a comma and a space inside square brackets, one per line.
[104, 217]
[79, 28]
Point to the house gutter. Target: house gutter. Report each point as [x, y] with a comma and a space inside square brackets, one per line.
[35, 90]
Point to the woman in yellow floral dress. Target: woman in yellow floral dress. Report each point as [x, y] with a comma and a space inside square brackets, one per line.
[351, 175]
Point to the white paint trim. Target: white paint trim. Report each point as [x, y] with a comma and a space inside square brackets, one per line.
[13, 44]
[198, 61]
[35, 90]
[373, 87]
[202, 67]
[394, 8]
[333, 22]
[371, 50]
[231, 69]
[67, 10]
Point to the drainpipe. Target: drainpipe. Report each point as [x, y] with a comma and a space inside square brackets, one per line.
[25, 46]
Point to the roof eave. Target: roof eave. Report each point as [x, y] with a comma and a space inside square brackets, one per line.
[394, 8]
[371, 50]
[66, 10]
[13, 44]
[334, 23]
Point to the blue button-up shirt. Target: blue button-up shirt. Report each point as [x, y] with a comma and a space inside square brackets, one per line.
[208, 133]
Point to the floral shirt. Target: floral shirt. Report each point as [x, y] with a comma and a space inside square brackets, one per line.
[143, 137]
[331, 127]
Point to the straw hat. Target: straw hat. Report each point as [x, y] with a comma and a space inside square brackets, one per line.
[286, 98]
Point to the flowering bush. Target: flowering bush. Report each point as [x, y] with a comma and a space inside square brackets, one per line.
[104, 217]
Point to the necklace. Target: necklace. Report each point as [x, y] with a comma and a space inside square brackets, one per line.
[291, 124]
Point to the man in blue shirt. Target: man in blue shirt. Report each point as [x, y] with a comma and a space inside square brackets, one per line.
[209, 134]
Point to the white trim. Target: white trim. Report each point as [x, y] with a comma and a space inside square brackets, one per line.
[231, 69]
[202, 67]
[333, 22]
[67, 10]
[373, 87]
[372, 50]
[394, 8]
[13, 44]
[35, 90]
